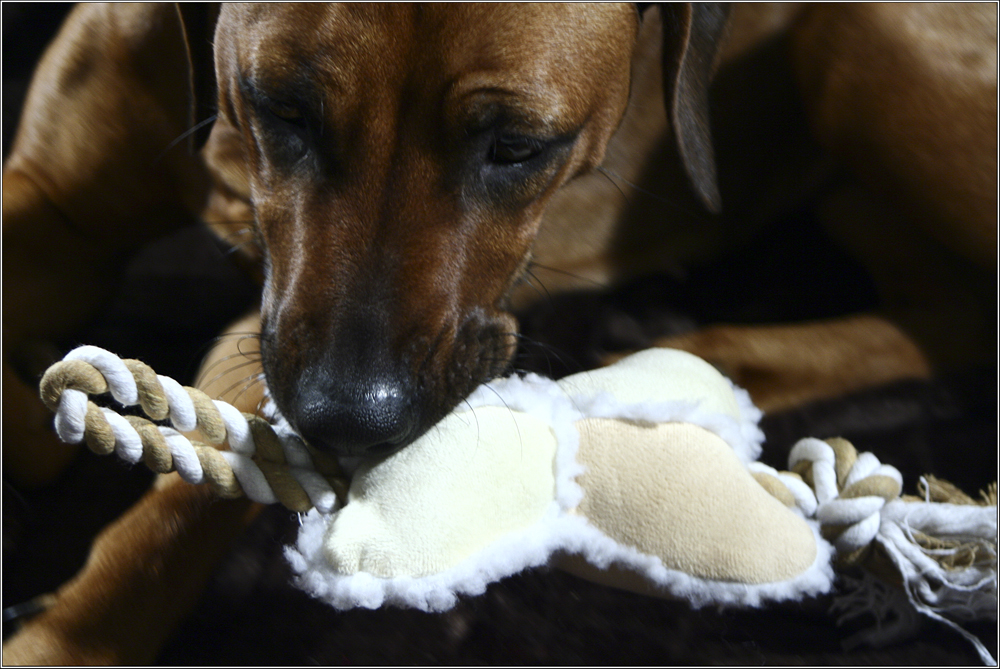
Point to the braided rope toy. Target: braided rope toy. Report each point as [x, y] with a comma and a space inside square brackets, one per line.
[266, 463]
[943, 548]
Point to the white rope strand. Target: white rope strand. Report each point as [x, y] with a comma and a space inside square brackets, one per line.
[71, 416]
[128, 443]
[182, 413]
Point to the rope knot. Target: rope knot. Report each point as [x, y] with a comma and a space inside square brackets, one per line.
[851, 489]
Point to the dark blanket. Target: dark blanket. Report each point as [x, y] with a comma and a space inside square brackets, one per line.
[182, 290]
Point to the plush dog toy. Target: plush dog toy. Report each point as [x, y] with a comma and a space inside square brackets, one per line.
[641, 475]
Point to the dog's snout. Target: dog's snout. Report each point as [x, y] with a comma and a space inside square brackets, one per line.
[370, 418]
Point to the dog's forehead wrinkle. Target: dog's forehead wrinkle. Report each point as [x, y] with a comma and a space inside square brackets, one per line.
[481, 97]
[334, 49]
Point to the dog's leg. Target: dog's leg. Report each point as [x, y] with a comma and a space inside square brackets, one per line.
[904, 96]
[97, 169]
[934, 317]
[143, 575]
[40, 456]
[783, 366]
[232, 371]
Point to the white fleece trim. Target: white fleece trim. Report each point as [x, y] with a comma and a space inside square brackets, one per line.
[530, 548]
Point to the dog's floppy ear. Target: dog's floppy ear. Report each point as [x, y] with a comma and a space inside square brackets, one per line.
[691, 35]
[198, 22]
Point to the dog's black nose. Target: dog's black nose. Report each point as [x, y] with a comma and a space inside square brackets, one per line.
[355, 417]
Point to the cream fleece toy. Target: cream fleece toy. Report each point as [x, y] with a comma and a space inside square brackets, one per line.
[641, 475]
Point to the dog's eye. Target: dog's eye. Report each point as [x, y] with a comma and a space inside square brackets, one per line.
[515, 149]
[287, 112]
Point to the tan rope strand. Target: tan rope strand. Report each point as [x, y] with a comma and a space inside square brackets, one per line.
[99, 436]
[152, 399]
[210, 422]
[75, 374]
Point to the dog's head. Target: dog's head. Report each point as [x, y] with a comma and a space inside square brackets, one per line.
[400, 158]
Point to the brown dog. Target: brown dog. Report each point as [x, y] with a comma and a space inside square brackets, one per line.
[406, 165]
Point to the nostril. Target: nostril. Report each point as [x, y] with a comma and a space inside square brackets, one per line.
[356, 419]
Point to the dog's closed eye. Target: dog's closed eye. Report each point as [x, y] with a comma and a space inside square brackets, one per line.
[508, 149]
[284, 128]
[509, 166]
[286, 111]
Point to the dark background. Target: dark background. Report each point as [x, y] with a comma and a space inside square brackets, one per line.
[182, 290]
